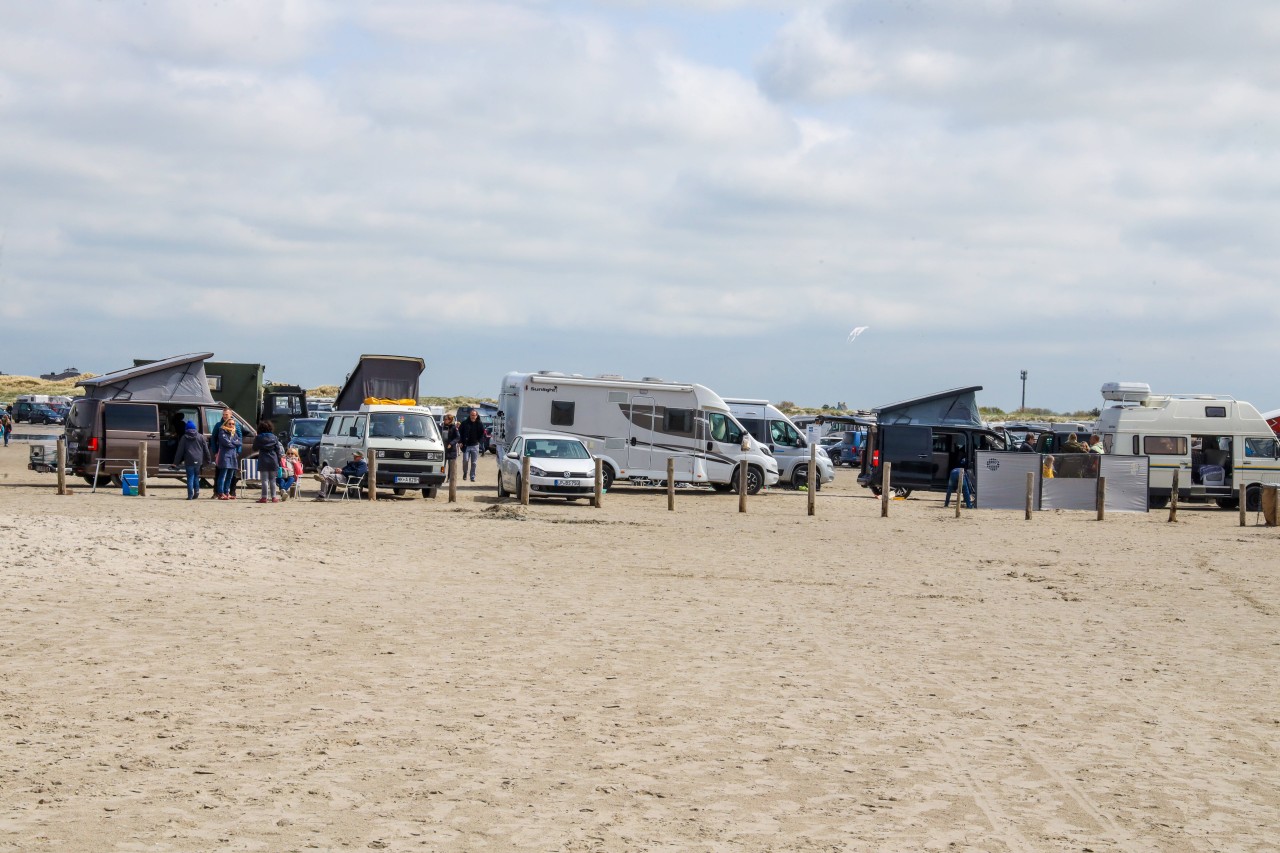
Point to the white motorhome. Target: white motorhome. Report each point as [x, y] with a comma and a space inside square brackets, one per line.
[635, 426]
[769, 426]
[1216, 443]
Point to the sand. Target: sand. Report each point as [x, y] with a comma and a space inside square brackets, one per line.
[411, 675]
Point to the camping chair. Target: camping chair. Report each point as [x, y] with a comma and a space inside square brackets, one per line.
[353, 484]
[295, 491]
[249, 470]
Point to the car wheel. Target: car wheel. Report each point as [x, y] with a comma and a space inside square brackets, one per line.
[606, 477]
[1223, 503]
[1162, 501]
[799, 477]
[430, 494]
[901, 492]
[103, 479]
[399, 492]
[875, 490]
[755, 480]
[1253, 498]
[502, 491]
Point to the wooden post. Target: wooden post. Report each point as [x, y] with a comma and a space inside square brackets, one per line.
[371, 479]
[62, 464]
[142, 469]
[884, 490]
[671, 484]
[1173, 497]
[742, 486]
[1244, 490]
[959, 491]
[599, 493]
[524, 481]
[1269, 505]
[1031, 488]
[453, 480]
[812, 480]
[1101, 499]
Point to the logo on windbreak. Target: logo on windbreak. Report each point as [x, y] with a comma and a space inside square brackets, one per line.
[993, 464]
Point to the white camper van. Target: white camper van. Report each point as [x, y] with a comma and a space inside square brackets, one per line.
[635, 427]
[1216, 443]
[769, 426]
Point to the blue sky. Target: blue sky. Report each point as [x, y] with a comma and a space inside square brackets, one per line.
[711, 191]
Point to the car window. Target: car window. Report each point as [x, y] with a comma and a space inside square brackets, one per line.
[557, 448]
[723, 428]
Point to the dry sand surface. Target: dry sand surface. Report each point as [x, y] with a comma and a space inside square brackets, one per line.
[410, 675]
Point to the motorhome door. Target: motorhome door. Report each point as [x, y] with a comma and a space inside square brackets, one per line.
[640, 442]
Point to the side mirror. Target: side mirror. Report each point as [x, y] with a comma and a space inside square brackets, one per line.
[513, 455]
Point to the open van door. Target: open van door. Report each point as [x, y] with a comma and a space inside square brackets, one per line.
[910, 449]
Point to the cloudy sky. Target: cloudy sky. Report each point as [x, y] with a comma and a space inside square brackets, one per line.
[705, 190]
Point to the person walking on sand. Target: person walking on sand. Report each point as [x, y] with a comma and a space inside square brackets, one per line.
[192, 453]
[270, 457]
[471, 433]
[451, 441]
[227, 459]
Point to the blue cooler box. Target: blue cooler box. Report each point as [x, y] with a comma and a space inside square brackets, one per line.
[129, 484]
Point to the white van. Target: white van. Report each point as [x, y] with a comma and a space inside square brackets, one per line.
[1216, 443]
[403, 439]
[768, 425]
[635, 426]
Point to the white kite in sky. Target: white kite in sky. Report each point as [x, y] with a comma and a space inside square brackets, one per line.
[853, 336]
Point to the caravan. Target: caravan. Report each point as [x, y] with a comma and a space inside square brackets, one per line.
[1216, 443]
[635, 427]
[769, 426]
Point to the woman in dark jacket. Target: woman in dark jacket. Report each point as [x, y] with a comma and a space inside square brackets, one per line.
[228, 457]
[270, 452]
[192, 453]
[451, 441]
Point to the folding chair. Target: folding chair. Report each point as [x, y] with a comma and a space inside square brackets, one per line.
[249, 472]
[295, 491]
[353, 484]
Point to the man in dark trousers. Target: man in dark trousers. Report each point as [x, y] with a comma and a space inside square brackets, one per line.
[471, 433]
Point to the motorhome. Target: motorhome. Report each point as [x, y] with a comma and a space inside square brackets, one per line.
[1215, 443]
[925, 438]
[376, 413]
[635, 426]
[769, 426]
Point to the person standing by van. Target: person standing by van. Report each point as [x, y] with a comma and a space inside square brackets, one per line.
[270, 456]
[471, 433]
[227, 459]
[451, 441]
[192, 453]
[6, 425]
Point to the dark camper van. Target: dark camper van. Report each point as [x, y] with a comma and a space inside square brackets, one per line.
[150, 403]
[925, 439]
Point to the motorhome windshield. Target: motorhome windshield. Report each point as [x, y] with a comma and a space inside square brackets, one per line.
[401, 425]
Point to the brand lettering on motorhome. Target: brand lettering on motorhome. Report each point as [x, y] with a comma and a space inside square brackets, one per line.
[552, 390]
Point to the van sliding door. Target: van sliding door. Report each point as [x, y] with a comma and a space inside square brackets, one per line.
[125, 426]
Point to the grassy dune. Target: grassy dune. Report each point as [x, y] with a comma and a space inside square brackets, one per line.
[12, 386]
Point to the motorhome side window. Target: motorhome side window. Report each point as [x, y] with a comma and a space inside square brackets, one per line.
[1264, 448]
[133, 417]
[723, 428]
[1215, 411]
[1164, 445]
[678, 421]
[561, 413]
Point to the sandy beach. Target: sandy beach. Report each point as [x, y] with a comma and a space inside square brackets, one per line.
[414, 675]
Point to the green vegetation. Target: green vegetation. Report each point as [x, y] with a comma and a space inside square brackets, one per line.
[11, 387]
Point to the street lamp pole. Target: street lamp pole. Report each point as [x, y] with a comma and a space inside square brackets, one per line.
[1024, 391]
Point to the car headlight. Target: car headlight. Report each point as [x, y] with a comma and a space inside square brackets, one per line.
[382, 454]
[536, 471]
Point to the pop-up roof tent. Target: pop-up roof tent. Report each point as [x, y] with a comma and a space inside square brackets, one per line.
[958, 407]
[380, 377]
[177, 379]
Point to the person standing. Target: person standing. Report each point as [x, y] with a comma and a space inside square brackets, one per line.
[270, 457]
[451, 440]
[6, 425]
[471, 434]
[192, 453]
[227, 459]
[228, 417]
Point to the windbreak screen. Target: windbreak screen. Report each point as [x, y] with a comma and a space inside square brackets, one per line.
[1001, 479]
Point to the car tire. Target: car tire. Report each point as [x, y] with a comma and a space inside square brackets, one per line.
[606, 477]
[875, 490]
[430, 494]
[1253, 498]
[502, 492]
[1161, 501]
[398, 492]
[755, 480]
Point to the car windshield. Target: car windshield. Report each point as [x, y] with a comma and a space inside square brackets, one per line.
[556, 448]
[308, 429]
[401, 425]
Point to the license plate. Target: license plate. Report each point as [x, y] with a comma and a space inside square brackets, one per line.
[413, 480]
[567, 483]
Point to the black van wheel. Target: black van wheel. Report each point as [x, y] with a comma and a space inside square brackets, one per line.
[103, 479]
[398, 492]
[755, 480]
[1253, 498]
[900, 492]
[1160, 502]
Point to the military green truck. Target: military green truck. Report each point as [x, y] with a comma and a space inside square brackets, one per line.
[242, 386]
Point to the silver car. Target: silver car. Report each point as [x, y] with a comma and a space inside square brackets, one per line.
[559, 467]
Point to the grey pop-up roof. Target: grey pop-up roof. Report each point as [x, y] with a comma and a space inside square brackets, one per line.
[959, 407]
[389, 377]
[177, 379]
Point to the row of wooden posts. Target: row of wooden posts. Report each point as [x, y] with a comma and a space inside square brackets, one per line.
[1270, 494]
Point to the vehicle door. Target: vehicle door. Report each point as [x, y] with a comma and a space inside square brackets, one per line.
[640, 439]
[125, 427]
[335, 447]
[910, 449]
[788, 446]
[1258, 462]
[724, 447]
[509, 465]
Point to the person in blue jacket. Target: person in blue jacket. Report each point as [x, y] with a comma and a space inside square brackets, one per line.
[357, 467]
[192, 453]
[227, 459]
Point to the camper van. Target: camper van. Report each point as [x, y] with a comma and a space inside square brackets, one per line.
[769, 426]
[1216, 443]
[372, 415]
[148, 403]
[635, 426]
